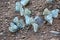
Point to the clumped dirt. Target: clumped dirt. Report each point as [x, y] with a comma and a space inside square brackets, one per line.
[7, 13]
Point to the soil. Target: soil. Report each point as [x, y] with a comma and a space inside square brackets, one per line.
[7, 13]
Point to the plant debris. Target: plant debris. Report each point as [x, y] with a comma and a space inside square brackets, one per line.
[55, 32]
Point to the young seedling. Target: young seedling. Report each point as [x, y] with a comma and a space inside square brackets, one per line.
[49, 18]
[18, 5]
[46, 12]
[22, 11]
[35, 27]
[55, 13]
[24, 2]
[27, 11]
[27, 19]
[15, 20]
[21, 24]
[13, 27]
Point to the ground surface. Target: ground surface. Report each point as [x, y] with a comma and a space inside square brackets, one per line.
[7, 13]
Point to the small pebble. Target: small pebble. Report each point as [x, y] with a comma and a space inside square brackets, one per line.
[1, 33]
[35, 27]
[55, 13]
[27, 11]
[23, 36]
[19, 8]
[13, 27]
[39, 20]
[49, 18]
[46, 12]
[24, 2]
[9, 3]
[52, 39]
[15, 20]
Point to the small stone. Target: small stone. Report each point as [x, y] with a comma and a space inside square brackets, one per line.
[49, 18]
[23, 36]
[55, 13]
[24, 2]
[35, 27]
[5, 38]
[39, 20]
[46, 12]
[1, 33]
[13, 27]
[27, 11]
[15, 20]
[21, 24]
